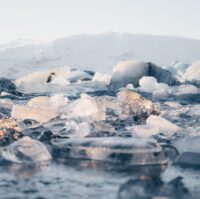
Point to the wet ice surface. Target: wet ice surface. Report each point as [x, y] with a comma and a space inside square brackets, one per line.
[101, 143]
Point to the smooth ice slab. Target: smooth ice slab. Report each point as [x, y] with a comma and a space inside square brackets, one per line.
[131, 151]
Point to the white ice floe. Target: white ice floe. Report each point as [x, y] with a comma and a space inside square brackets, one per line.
[26, 150]
[164, 126]
[41, 109]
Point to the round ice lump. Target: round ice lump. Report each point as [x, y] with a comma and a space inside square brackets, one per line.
[26, 150]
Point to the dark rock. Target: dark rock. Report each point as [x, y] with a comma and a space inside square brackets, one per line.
[6, 85]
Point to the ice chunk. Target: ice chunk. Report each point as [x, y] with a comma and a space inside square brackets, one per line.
[127, 72]
[6, 85]
[173, 104]
[84, 128]
[178, 69]
[129, 86]
[143, 131]
[188, 144]
[162, 86]
[102, 78]
[192, 73]
[41, 109]
[189, 150]
[148, 84]
[45, 81]
[26, 150]
[77, 129]
[86, 106]
[133, 105]
[165, 126]
[78, 75]
[184, 89]
[6, 103]
[60, 81]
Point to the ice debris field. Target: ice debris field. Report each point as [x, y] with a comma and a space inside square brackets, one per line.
[71, 133]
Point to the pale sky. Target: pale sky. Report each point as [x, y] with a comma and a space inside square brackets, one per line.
[49, 19]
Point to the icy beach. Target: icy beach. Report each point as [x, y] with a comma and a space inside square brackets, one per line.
[73, 133]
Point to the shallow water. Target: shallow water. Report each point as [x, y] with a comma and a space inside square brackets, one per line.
[67, 178]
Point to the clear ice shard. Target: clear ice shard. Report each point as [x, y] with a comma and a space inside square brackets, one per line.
[26, 150]
[86, 106]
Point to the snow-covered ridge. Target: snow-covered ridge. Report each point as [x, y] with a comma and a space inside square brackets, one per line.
[95, 52]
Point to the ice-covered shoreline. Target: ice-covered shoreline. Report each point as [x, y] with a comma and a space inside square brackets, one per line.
[141, 116]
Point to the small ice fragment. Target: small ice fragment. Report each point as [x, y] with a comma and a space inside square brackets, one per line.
[129, 86]
[143, 131]
[165, 126]
[148, 84]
